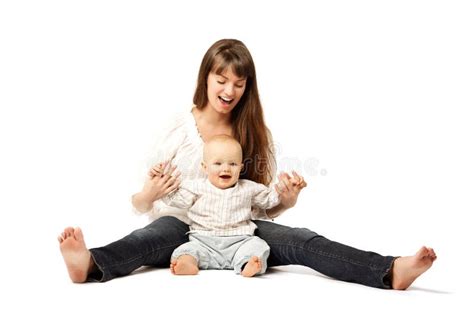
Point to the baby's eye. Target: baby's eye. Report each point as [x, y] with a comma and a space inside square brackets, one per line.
[233, 164]
[217, 163]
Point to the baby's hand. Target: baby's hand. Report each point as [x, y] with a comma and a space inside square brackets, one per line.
[289, 188]
[297, 180]
[295, 183]
[159, 170]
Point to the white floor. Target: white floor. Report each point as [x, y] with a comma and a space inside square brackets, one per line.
[285, 291]
[38, 284]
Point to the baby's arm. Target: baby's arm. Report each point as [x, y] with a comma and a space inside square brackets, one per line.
[265, 197]
[183, 197]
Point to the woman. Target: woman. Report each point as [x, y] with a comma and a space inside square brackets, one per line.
[226, 101]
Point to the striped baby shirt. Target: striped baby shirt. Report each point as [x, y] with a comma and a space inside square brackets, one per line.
[222, 212]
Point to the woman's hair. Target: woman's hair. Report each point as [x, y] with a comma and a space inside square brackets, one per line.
[248, 125]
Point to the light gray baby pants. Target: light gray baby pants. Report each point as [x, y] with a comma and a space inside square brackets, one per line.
[224, 252]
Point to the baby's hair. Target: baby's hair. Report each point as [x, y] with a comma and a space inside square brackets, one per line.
[221, 139]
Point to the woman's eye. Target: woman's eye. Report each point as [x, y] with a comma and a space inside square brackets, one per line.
[220, 82]
[239, 86]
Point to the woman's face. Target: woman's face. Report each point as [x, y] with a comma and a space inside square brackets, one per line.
[224, 90]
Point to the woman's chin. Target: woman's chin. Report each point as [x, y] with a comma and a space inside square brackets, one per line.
[225, 110]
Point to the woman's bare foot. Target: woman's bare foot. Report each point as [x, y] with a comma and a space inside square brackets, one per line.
[253, 266]
[77, 257]
[184, 265]
[408, 269]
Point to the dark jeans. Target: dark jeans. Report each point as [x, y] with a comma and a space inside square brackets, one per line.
[154, 244]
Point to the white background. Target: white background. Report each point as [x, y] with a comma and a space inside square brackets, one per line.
[370, 100]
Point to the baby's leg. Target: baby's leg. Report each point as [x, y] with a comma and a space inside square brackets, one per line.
[184, 265]
[253, 253]
[187, 258]
[253, 266]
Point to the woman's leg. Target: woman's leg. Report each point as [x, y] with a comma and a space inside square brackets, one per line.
[304, 247]
[151, 245]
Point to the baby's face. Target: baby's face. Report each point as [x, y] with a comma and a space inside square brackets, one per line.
[222, 163]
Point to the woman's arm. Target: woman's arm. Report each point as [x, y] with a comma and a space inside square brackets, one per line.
[142, 202]
[276, 211]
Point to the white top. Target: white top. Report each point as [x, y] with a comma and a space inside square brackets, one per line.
[183, 146]
[222, 212]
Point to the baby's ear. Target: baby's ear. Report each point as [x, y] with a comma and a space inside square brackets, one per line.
[203, 166]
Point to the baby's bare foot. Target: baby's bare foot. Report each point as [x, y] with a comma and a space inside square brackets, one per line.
[184, 265]
[75, 253]
[253, 266]
[407, 269]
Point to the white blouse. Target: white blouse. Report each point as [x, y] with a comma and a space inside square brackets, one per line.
[182, 144]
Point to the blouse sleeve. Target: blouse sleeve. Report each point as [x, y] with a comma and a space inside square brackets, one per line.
[165, 148]
[168, 142]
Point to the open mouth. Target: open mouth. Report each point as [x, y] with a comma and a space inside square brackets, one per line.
[226, 100]
[225, 177]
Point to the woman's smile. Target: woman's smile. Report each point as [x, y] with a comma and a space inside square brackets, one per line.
[225, 102]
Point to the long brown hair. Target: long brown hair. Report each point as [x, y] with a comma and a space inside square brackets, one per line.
[248, 124]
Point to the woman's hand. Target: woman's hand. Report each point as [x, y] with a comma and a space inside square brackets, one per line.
[161, 182]
[289, 188]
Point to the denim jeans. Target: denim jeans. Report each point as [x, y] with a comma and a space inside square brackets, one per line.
[154, 244]
[303, 247]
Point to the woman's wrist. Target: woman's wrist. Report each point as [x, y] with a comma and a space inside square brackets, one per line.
[276, 211]
[142, 201]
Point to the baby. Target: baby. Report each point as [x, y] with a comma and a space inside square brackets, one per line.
[220, 208]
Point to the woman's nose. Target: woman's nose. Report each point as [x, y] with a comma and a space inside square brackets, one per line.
[229, 90]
